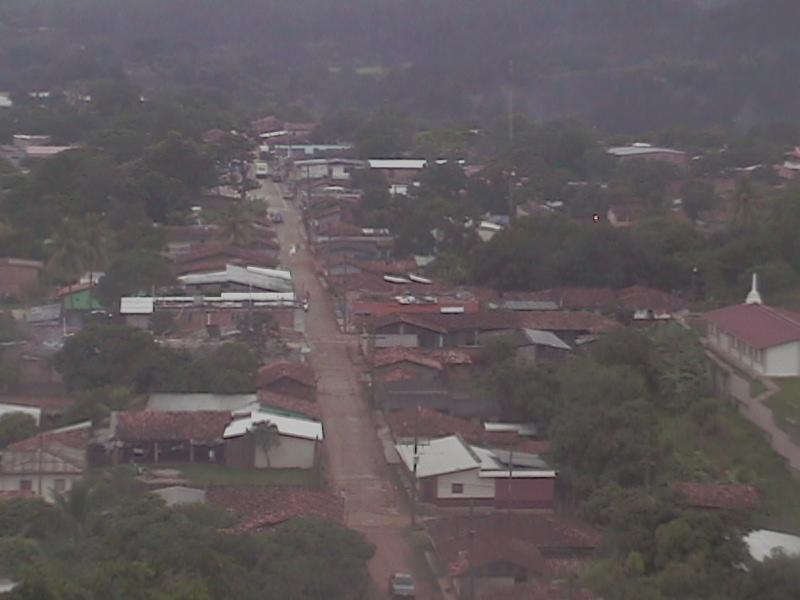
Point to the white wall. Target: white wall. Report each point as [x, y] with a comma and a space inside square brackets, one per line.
[11, 483]
[290, 453]
[474, 486]
[7, 409]
[783, 360]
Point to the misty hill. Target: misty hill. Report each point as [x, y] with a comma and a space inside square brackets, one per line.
[622, 64]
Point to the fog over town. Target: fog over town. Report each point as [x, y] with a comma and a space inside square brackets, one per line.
[394, 299]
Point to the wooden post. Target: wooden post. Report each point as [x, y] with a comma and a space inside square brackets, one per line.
[155, 452]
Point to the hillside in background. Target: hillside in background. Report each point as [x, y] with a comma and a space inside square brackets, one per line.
[624, 65]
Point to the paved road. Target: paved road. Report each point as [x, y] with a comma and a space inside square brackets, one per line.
[355, 458]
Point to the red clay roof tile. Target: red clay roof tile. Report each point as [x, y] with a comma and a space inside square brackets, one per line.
[757, 325]
[205, 426]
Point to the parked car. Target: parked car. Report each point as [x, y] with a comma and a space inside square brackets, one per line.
[401, 585]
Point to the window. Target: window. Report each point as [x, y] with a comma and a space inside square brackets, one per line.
[60, 485]
[456, 488]
[26, 485]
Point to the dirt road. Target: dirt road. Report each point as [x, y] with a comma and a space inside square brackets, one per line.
[356, 466]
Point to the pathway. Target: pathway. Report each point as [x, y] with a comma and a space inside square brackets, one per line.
[355, 462]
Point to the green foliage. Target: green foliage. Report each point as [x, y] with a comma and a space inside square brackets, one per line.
[133, 273]
[130, 545]
[776, 578]
[16, 426]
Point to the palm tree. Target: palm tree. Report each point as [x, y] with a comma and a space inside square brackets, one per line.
[266, 437]
[98, 242]
[236, 227]
[70, 254]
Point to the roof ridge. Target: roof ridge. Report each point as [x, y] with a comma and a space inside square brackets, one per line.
[779, 312]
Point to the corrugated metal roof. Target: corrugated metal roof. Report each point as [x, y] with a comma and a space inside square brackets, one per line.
[41, 314]
[762, 542]
[136, 306]
[265, 279]
[205, 402]
[641, 150]
[545, 338]
[290, 426]
[438, 457]
[397, 163]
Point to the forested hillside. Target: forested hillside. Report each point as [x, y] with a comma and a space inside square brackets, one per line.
[620, 64]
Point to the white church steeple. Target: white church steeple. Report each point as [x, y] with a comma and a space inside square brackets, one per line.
[753, 297]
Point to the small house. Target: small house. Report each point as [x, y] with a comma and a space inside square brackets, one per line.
[289, 379]
[450, 472]
[263, 439]
[47, 464]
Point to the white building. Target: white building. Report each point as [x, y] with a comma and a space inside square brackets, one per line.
[296, 446]
[47, 464]
[765, 338]
[450, 472]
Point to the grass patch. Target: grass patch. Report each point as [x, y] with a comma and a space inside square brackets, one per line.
[785, 405]
[734, 452]
[212, 475]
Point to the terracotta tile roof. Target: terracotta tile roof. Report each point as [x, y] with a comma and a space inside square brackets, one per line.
[452, 357]
[493, 320]
[203, 426]
[638, 297]
[295, 371]
[209, 250]
[398, 354]
[262, 507]
[534, 446]
[728, 497]
[77, 439]
[75, 287]
[757, 325]
[289, 403]
[430, 424]
[393, 375]
[552, 536]
[49, 404]
[577, 297]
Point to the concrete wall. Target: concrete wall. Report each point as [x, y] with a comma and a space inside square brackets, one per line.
[12, 482]
[783, 360]
[474, 486]
[290, 453]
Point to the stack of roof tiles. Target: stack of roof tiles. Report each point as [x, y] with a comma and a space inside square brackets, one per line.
[259, 507]
[724, 497]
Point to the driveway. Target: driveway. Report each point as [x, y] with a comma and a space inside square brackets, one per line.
[355, 463]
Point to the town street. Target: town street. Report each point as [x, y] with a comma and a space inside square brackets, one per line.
[355, 463]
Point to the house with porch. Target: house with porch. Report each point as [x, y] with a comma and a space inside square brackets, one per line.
[164, 437]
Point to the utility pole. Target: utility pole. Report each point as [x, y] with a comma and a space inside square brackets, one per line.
[511, 208]
[416, 461]
[470, 566]
[510, 477]
[39, 462]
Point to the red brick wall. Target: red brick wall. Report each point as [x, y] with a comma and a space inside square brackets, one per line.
[528, 493]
